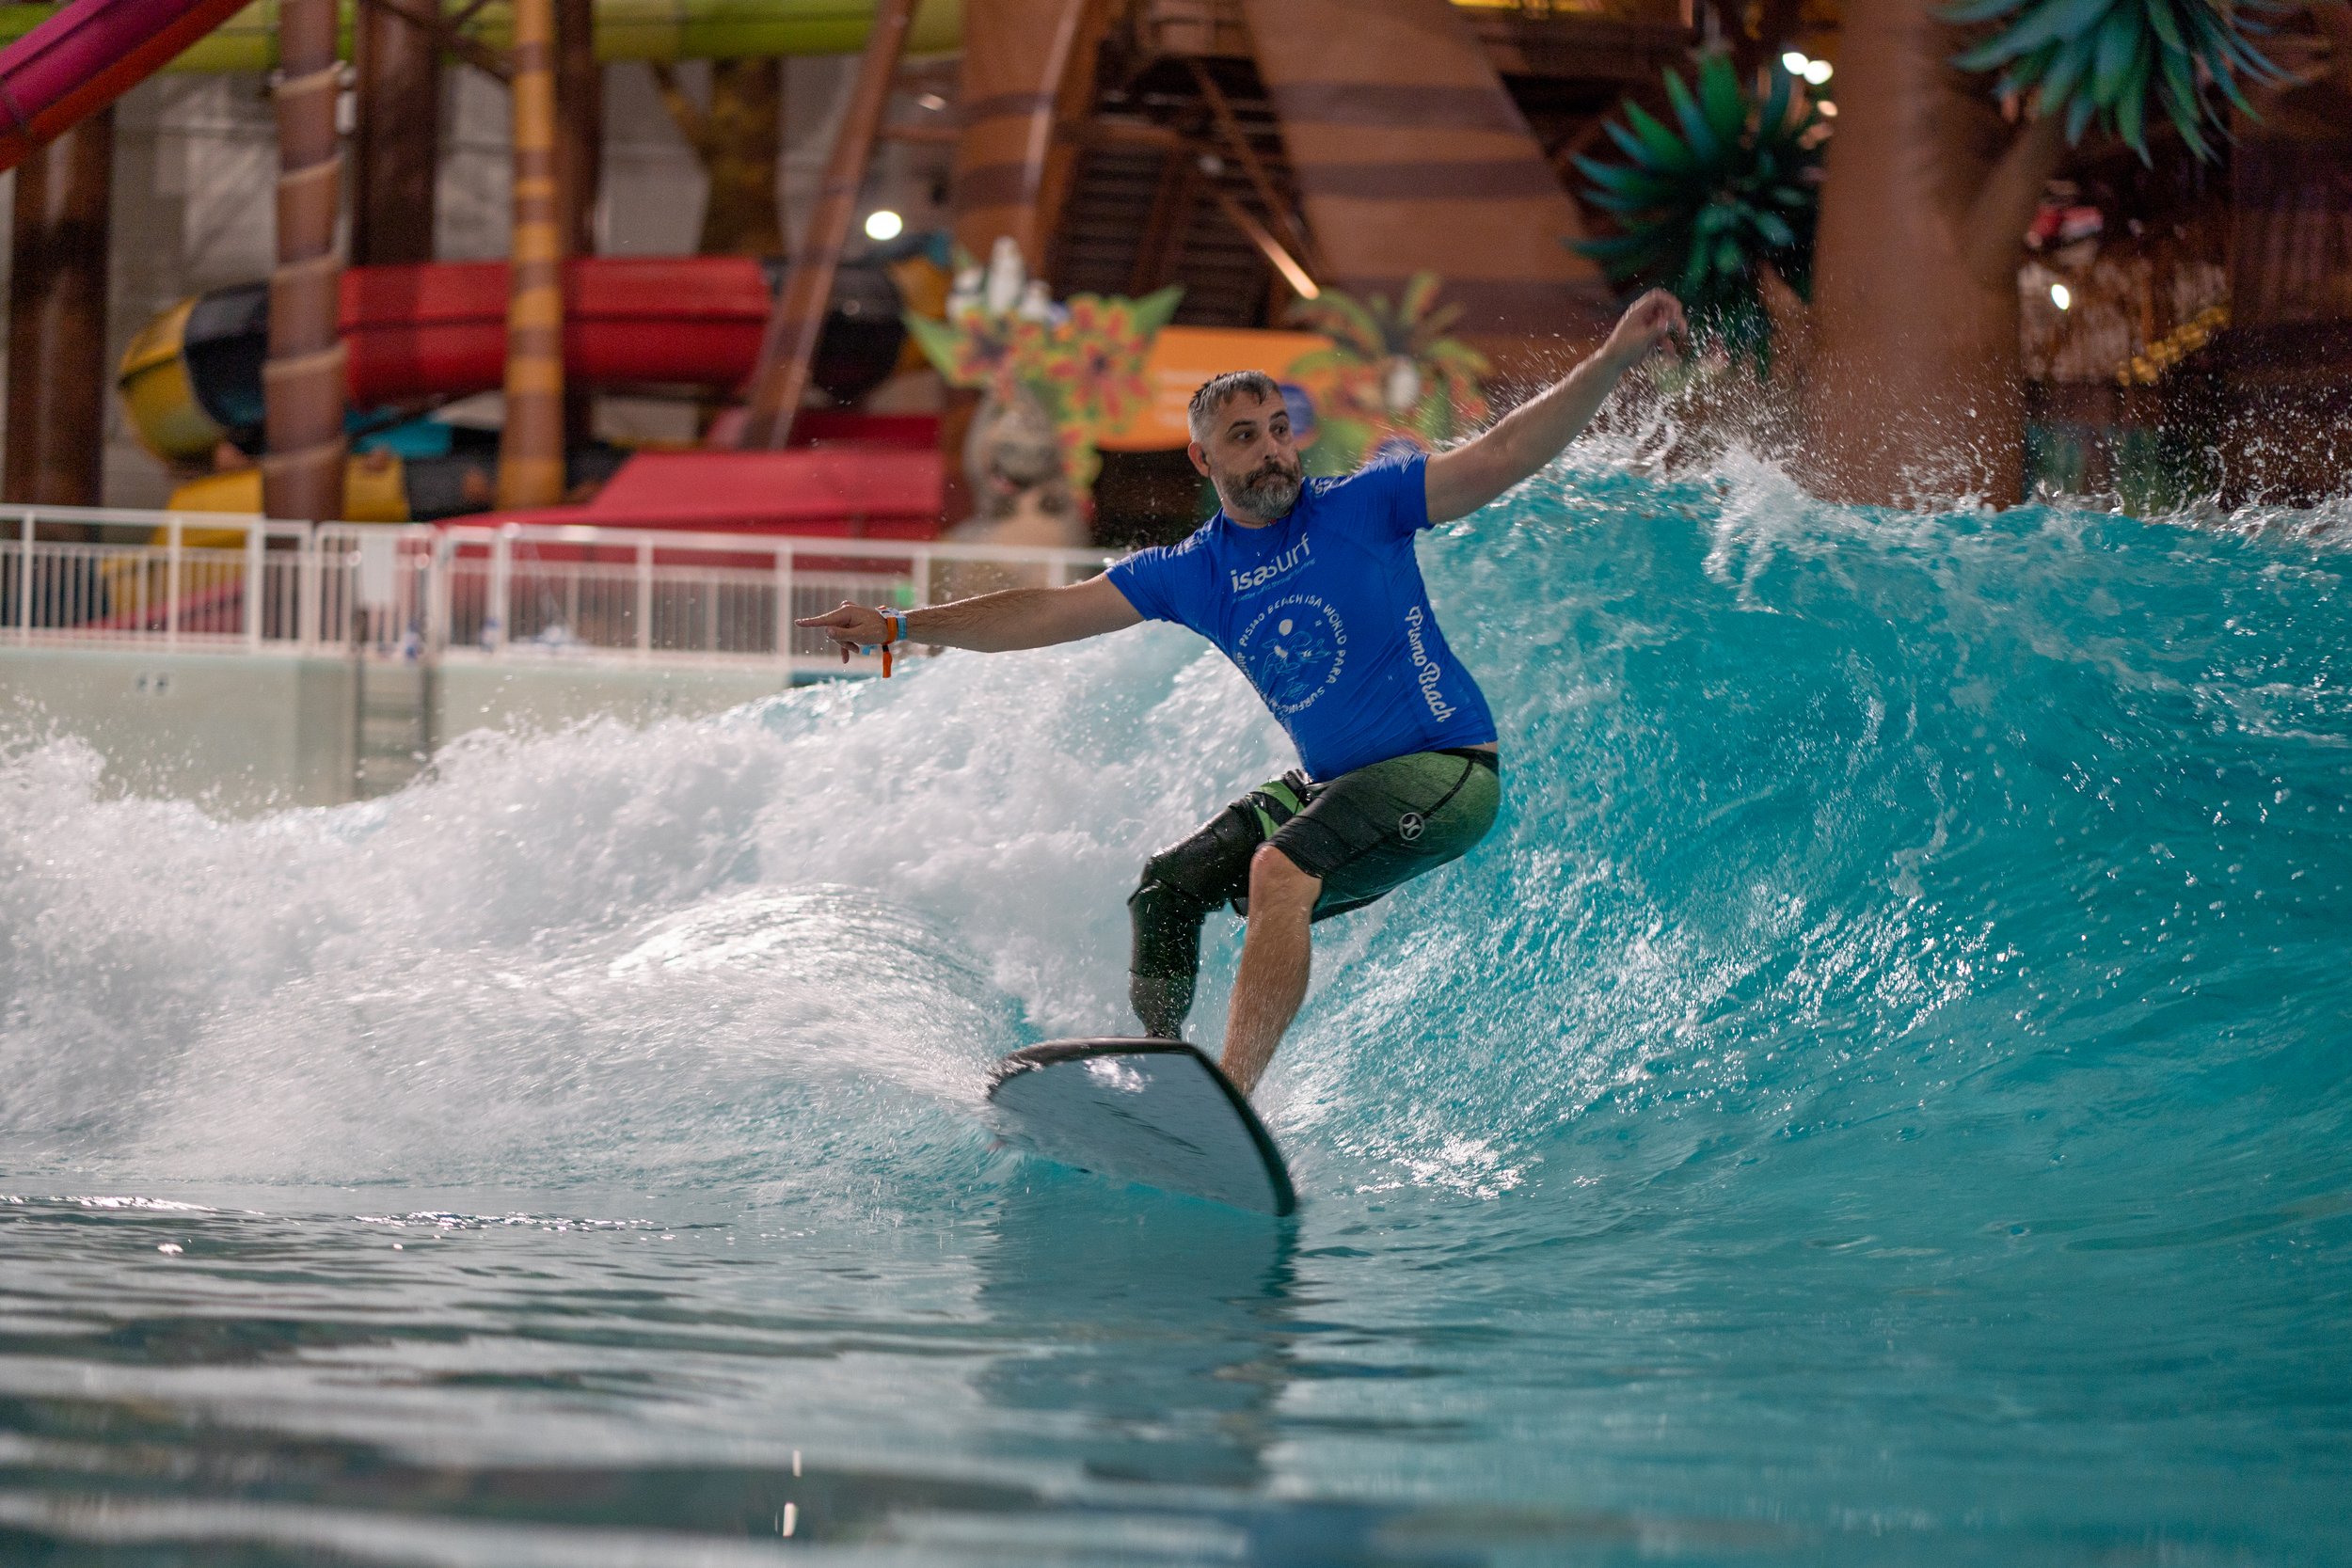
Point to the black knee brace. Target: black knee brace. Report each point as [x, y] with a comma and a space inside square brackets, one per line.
[1179, 886]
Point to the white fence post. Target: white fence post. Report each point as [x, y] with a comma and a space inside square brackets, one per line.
[784, 607]
[645, 598]
[171, 582]
[495, 608]
[24, 581]
[437, 591]
[256, 543]
[311, 577]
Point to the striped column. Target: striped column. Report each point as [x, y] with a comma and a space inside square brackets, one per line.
[1411, 156]
[531, 450]
[1027, 65]
[302, 380]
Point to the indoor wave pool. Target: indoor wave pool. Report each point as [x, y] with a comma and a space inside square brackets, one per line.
[1881, 1095]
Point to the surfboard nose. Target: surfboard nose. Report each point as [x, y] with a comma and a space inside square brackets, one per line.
[1149, 1111]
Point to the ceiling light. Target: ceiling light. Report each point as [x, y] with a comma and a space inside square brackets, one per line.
[1818, 72]
[883, 224]
[1794, 62]
[2061, 296]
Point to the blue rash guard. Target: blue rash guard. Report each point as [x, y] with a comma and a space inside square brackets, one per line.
[1326, 612]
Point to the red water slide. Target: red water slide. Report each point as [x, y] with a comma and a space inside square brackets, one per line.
[89, 55]
[439, 328]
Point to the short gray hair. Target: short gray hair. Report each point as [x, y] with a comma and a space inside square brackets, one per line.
[1216, 393]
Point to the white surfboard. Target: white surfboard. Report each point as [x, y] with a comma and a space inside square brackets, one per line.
[1154, 1112]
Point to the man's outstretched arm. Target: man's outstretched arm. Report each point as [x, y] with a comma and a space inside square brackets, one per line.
[992, 623]
[1465, 478]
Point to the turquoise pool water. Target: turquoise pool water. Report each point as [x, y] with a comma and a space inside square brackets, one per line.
[1881, 1096]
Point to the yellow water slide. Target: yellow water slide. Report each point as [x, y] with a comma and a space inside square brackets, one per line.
[626, 29]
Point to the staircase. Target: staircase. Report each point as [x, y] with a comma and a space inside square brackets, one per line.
[392, 709]
[1158, 182]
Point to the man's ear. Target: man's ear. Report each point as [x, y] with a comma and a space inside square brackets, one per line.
[1199, 458]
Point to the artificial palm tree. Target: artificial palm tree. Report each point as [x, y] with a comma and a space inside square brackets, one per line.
[1715, 203]
[1392, 370]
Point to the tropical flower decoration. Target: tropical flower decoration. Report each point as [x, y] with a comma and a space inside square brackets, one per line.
[1703, 207]
[1391, 373]
[2102, 60]
[1082, 360]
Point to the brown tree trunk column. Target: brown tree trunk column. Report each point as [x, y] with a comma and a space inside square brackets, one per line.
[58, 317]
[789, 345]
[1028, 66]
[302, 382]
[531, 450]
[395, 147]
[1917, 388]
[579, 162]
[737, 140]
[579, 124]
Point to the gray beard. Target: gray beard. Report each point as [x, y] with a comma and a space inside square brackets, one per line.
[1269, 498]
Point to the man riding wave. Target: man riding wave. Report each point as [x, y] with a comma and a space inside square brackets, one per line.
[1311, 588]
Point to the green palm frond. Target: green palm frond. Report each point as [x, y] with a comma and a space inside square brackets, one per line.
[1704, 211]
[1342, 318]
[2106, 62]
[1378, 330]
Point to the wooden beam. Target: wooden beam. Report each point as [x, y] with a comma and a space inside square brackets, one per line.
[1237, 142]
[1129, 133]
[1302, 283]
[789, 346]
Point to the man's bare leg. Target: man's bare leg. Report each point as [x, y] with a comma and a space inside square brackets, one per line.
[1274, 962]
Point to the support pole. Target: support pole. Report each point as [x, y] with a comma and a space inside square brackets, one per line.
[645, 598]
[251, 599]
[396, 141]
[579, 161]
[24, 578]
[302, 381]
[790, 342]
[501, 601]
[531, 450]
[784, 609]
[58, 317]
[175, 568]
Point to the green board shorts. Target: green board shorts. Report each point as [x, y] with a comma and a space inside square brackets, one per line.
[1370, 830]
[1364, 833]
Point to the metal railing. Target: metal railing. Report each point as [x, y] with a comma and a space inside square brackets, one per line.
[72, 575]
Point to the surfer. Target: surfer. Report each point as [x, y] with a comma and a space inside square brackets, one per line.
[1311, 588]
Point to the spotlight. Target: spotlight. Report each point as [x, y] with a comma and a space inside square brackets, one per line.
[2061, 296]
[1818, 72]
[883, 224]
[1794, 62]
